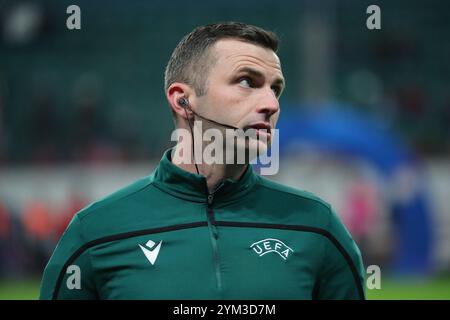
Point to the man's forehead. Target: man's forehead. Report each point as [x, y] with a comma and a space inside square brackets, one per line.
[233, 52]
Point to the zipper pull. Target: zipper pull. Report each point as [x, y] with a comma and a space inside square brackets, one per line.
[211, 215]
[210, 199]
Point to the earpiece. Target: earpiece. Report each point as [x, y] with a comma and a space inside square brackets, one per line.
[183, 102]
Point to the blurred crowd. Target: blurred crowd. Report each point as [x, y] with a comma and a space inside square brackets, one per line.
[29, 235]
[52, 133]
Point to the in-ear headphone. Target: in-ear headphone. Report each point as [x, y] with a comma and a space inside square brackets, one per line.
[183, 102]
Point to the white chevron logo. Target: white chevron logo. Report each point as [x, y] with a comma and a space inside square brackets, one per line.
[151, 251]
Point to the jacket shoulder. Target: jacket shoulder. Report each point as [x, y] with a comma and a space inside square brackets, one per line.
[116, 196]
[294, 193]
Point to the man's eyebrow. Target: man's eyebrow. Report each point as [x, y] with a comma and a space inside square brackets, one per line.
[259, 74]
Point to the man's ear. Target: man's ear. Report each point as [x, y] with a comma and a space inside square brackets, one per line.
[175, 92]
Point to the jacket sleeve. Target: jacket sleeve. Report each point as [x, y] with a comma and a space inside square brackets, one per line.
[68, 274]
[341, 275]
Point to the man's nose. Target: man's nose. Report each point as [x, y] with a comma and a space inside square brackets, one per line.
[269, 103]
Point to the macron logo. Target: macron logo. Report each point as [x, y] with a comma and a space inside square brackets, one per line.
[262, 247]
[151, 250]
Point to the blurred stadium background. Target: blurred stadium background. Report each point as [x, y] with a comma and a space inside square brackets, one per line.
[364, 123]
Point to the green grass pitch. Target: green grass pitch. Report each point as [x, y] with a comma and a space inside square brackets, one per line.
[391, 289]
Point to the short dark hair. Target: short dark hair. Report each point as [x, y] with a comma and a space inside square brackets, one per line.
[190, 61]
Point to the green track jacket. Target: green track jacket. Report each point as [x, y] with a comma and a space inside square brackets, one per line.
[166, 237]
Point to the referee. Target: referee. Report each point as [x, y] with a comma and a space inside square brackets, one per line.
[200, 230]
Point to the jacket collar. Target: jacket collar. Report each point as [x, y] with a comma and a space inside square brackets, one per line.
[183, 184]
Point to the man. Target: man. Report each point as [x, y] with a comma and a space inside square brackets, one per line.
[200, 230]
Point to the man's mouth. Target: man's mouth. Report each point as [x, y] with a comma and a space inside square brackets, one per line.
[259, 126]
[262, 129]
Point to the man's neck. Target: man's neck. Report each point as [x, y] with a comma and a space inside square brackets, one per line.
[214, 173]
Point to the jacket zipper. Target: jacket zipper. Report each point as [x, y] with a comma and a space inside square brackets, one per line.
[214, 238]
